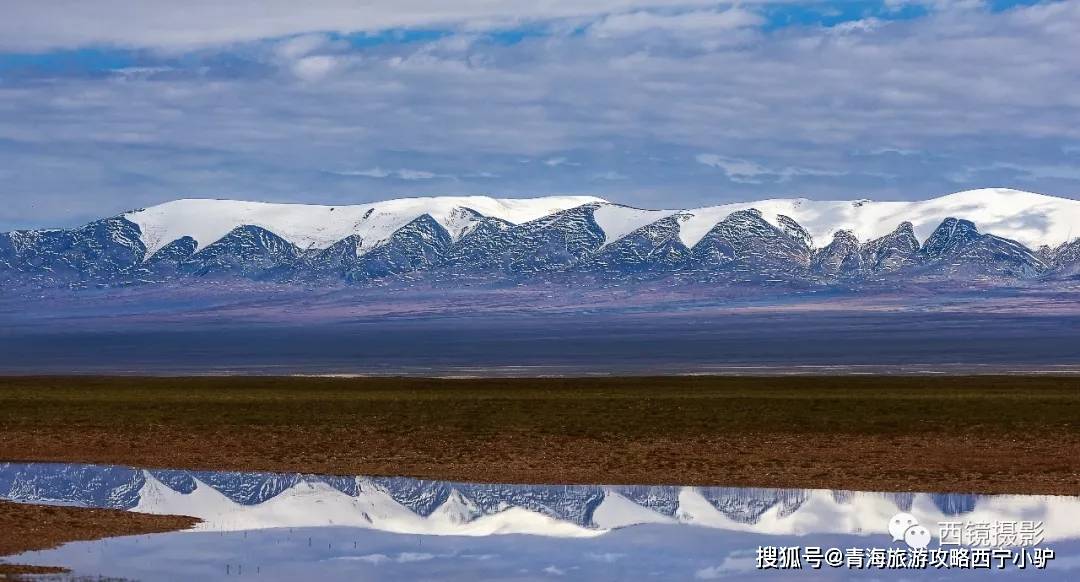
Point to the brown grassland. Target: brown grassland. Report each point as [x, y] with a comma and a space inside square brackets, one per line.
[974, 434]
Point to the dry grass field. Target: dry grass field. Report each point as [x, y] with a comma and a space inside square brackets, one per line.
[1004, 434]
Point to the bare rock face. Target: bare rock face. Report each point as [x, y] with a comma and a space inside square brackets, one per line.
[795, 230]
[748, 248]
[104, 250]
[957, 249]
[417, 246]
[556, 241]
[247, 251]
[654, 248]
[1065, 260]
[840, 258]
[893, 252]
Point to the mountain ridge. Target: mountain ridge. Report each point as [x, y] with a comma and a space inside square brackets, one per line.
[1009, 213]
[982, 235]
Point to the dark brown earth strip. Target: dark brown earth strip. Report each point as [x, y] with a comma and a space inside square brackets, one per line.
[986, 434]
[19, 572]
[25, 528]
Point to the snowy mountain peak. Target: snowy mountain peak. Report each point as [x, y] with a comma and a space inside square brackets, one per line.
[979, 234]
[1029, 218]
[310, 226]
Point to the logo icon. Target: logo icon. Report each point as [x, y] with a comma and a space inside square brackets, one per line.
[903, 527]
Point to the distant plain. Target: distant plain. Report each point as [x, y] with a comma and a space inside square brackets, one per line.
[537, 331]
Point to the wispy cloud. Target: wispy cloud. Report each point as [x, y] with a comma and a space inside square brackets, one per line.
[402, 174]
[884, 151]
[739, 170]
[610, 175]
[605, 557]
[1027, 172]
[316, 67]
[685, 23]
[736, 169]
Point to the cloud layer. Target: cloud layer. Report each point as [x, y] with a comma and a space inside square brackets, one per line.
[166, 24]
[658, 104]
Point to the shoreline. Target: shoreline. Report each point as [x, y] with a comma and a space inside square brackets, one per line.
[26, 527]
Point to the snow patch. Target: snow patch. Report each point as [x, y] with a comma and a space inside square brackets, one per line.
[310, 226]
[1029, 218]
[616, 511]
[617, 220]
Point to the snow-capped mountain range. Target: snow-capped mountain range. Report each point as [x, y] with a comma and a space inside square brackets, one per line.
[977, 234]
[245, 501]
[315, 227]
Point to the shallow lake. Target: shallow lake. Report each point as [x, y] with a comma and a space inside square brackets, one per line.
[271, 526]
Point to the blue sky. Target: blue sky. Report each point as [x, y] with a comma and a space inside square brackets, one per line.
[111, 105]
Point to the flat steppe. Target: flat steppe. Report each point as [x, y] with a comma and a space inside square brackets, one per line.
[987, 434]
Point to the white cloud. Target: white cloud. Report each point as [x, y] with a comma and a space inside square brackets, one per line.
[402, 174]
[314, 68]
[607, 557]
[940, 5]
[1040, 171]
[695, 22]
[745, 171]
[736, 169]
[882, 151]
[554, 571]
[857, 26]
[36, 25]
[301, 46]
[611, 175]
[369, 173]
[416, 175]
[971, 174]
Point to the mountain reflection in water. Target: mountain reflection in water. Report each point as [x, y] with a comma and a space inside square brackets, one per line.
[387, 528]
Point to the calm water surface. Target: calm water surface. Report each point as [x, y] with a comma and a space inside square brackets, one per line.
[270, 526]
